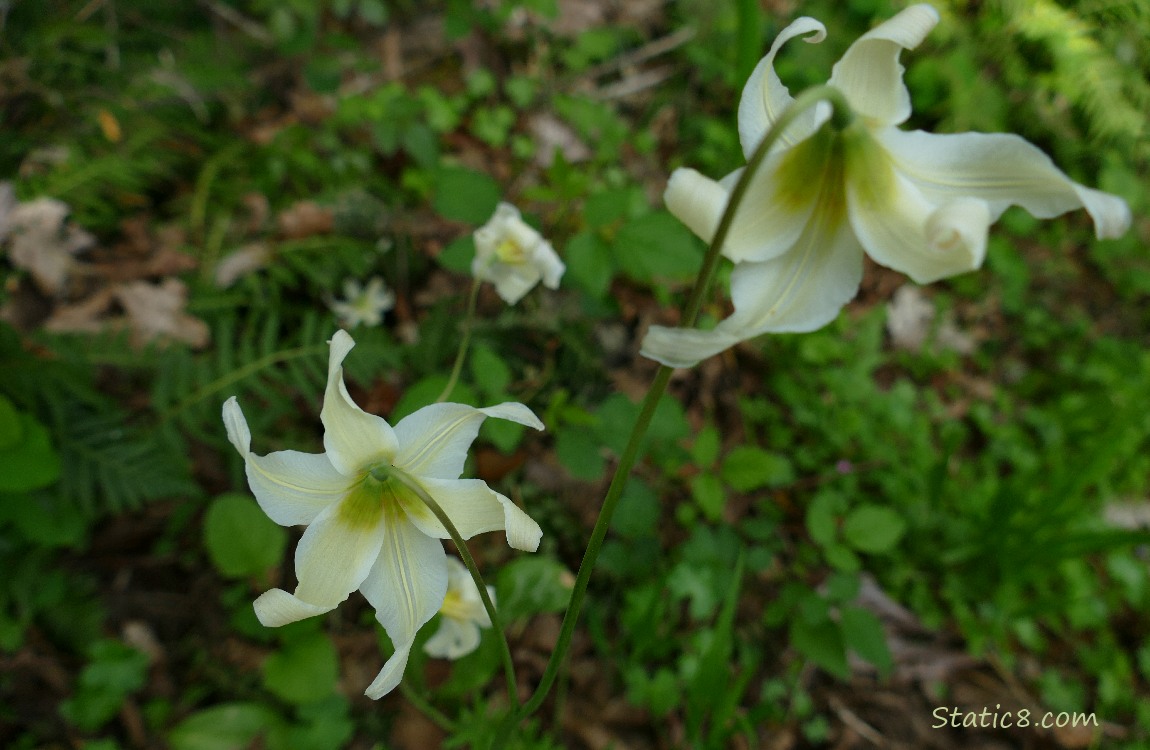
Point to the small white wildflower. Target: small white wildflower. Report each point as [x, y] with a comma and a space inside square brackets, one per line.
[363, 305]
[462, 615]
[513, 256]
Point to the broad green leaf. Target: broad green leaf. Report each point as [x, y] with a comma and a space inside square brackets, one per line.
[709, 495]
[589, 263]
[748, 468]
[530, 585]
[580, 453]
[306, 670]
[465, 195]
[657, 246]
[229, 726]
[241, 540]
[864, 635]
[490, 372]
[822, 643]
[11, 429]
[637, 514]
[873, 528]
[32, 462]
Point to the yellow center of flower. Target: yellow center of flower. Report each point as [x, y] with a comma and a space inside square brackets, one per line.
[813, 169]
[868, 167]
[818, 168]
[509, 251]
[454, 606]
[377, 494]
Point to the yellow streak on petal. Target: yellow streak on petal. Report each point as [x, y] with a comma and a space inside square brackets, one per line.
[813, 170]
[363, 506]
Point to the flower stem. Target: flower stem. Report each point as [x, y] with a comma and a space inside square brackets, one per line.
[480, 584]
[802, 103]
[468, 321]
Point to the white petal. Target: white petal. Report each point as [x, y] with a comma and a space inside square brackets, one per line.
[869, 73]
[684, 347]
[1002, 169]
[406, 586]
[354, 439]
[454, 639]
[291, 487]
[800, 290]
[550, 267]
[767, 222]
[894, 229]
[433, 441]
[391, 675]
[765, 97]
[335, 554]
[474, 508]
[277, 607]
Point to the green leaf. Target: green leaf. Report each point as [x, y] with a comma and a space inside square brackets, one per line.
[589, 263]
[458, 254]
[863, 634]
[705, 450]
[709, 495]
[531, 585]
[657, 246]
[32, 462]
[305, 671]
[229, 726]
[240, 539]
[115, 671]
[637, 514]
[465, 195]
[821, 522]
[873, 528]
[11, 428]
[490, 372]
[822, 643]
[607, 206]
[580, 453]
[748, 468]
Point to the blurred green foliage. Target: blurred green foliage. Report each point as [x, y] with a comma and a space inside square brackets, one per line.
[973, 488]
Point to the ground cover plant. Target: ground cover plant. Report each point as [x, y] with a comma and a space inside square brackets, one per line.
[856, 511]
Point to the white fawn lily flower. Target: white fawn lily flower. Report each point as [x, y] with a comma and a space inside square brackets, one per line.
[513, 256]
[367, 528]
[364, 305]
[462, 614]
[917, 202]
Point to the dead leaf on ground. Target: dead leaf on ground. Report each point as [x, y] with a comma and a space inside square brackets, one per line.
[43, 242]
[305, 219]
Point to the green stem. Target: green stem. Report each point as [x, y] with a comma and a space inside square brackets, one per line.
[468, 322]
[437, 717]
[802, 103]
[480, 584]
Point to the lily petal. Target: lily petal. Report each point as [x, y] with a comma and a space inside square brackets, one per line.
[434, 440]
[767, 222]
[291, 487]
[765, 97]
[354, 439]
[332, 560]
[904, 231]
[869, 73]
[475, 508]
[799, 291]
[406, 586]
[277, 607]
[1002, 169]
[453, 639]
